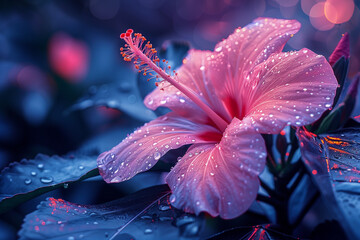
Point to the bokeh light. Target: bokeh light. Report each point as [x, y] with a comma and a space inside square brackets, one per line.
[318, 19]
[68, 57]
[339, 11]
[306, 5]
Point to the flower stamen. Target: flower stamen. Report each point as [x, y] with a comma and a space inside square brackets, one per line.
[146, 60]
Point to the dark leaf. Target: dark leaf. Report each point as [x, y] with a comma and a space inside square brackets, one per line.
[30, 178]
[260, 232]
[340, 70]
[352, 123]
[330, 230]
[281, 145]
[146, 214]
[121, 96]
[334, 162]
[108, 139]
[342, 113]
[260, 207]
[300, 198]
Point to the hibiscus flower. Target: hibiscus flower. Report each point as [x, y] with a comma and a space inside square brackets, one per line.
[221, 102]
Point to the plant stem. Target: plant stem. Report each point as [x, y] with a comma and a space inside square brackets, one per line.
[268, 200]
[268, 189]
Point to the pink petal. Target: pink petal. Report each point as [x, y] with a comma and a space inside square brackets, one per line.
[217, 76]
[342, 49]
[289, 89]
[221, 179]
[192, 75]
[241, 51]
[142, 149]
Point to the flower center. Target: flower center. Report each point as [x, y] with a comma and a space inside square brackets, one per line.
[146, 60]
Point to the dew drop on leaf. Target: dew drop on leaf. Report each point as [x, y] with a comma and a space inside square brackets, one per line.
[148, 231]
[27, 181]
[46, 179]
[164, 207]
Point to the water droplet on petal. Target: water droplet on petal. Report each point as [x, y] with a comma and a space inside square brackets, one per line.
[33, 173]
[40, 166]
[218, 49]
[46, 179]
[172, 198]
[81, 167]
[71, 238]
[66, 185]
[157, 155]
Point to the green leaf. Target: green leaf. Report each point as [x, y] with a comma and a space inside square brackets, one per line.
[27, 179]
[146, 214]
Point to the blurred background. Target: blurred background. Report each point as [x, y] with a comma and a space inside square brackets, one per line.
[55, 54]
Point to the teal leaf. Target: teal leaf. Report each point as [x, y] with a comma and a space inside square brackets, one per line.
[121, 96]
[146, 214]
[22, 181]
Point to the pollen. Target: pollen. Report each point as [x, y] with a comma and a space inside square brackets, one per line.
[142, 54]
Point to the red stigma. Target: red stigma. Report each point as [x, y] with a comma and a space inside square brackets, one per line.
[136, 49]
